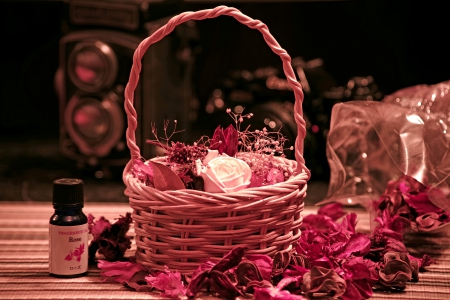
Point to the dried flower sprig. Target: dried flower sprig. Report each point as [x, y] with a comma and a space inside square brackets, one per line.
[177, 152]
[167, 136]
[179, 156]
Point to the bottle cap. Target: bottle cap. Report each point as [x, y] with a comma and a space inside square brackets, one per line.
[68, 191]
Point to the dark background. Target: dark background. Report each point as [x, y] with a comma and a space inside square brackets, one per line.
[400, 44]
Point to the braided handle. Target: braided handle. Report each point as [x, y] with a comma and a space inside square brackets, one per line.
[207, 14]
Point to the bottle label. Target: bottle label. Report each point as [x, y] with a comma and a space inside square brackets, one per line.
[68, 249]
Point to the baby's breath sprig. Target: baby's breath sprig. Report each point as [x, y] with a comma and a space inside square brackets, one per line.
[180, 152]
[238, 118]
[258, 141]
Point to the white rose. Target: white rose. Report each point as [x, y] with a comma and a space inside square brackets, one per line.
[211, 154]
[225, 174]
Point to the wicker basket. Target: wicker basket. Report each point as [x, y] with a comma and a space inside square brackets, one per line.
[181, 229]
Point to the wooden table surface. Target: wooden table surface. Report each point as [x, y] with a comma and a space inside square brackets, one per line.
[24, 259]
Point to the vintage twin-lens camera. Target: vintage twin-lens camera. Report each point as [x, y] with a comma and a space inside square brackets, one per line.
[96, 55]
[266, 93]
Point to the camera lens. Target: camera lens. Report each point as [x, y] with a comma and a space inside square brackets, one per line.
[88, 67]
[95, 125]
[92, 66]
[90, 121]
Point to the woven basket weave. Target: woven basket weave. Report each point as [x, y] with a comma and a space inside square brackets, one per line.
[181, 229]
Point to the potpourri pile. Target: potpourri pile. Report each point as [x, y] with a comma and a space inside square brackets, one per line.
[331, 260]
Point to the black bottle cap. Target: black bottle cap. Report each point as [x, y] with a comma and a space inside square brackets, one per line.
[68, 191]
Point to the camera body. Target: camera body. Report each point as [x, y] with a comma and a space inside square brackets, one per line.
[96, 56]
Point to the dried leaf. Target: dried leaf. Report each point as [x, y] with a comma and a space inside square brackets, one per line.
[422, 204]
[264, 264]
[96, 228]
[222, 285]
[230, 260]
[349, 222]
[280, 262]
[358, 245]
[143, 172]
[196, 284]
[248, 271]
[225, 141]
[357, 290]
[218, 140]
[428, 221]
[109, 239]
[250, 287]
[290, 281]
[165, 179]
[301, 260]
[204, 267]
[438, 198]
[295, 271]
[332, 210]
[121, 272]
[423, 262]
[138, 282]
[231, 140]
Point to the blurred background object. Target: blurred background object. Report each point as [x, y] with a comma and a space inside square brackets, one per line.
[62, 115]
[96, 55]
[267, 94]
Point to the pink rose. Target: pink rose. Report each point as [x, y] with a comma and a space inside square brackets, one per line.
[225, 174]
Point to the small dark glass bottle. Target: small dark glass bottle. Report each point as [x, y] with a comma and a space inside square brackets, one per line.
[68, 230]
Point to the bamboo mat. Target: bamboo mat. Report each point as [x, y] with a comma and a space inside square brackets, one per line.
[24, 259]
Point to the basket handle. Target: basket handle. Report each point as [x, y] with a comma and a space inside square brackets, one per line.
[208, 14]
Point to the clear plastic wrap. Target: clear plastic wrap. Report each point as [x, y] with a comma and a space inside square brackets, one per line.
[407, 133]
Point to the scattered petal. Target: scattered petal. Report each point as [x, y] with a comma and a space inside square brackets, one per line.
[332, 210]
[110, 240]
[168, 282]
[274, 294]
[358, 245]
[127, 273]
